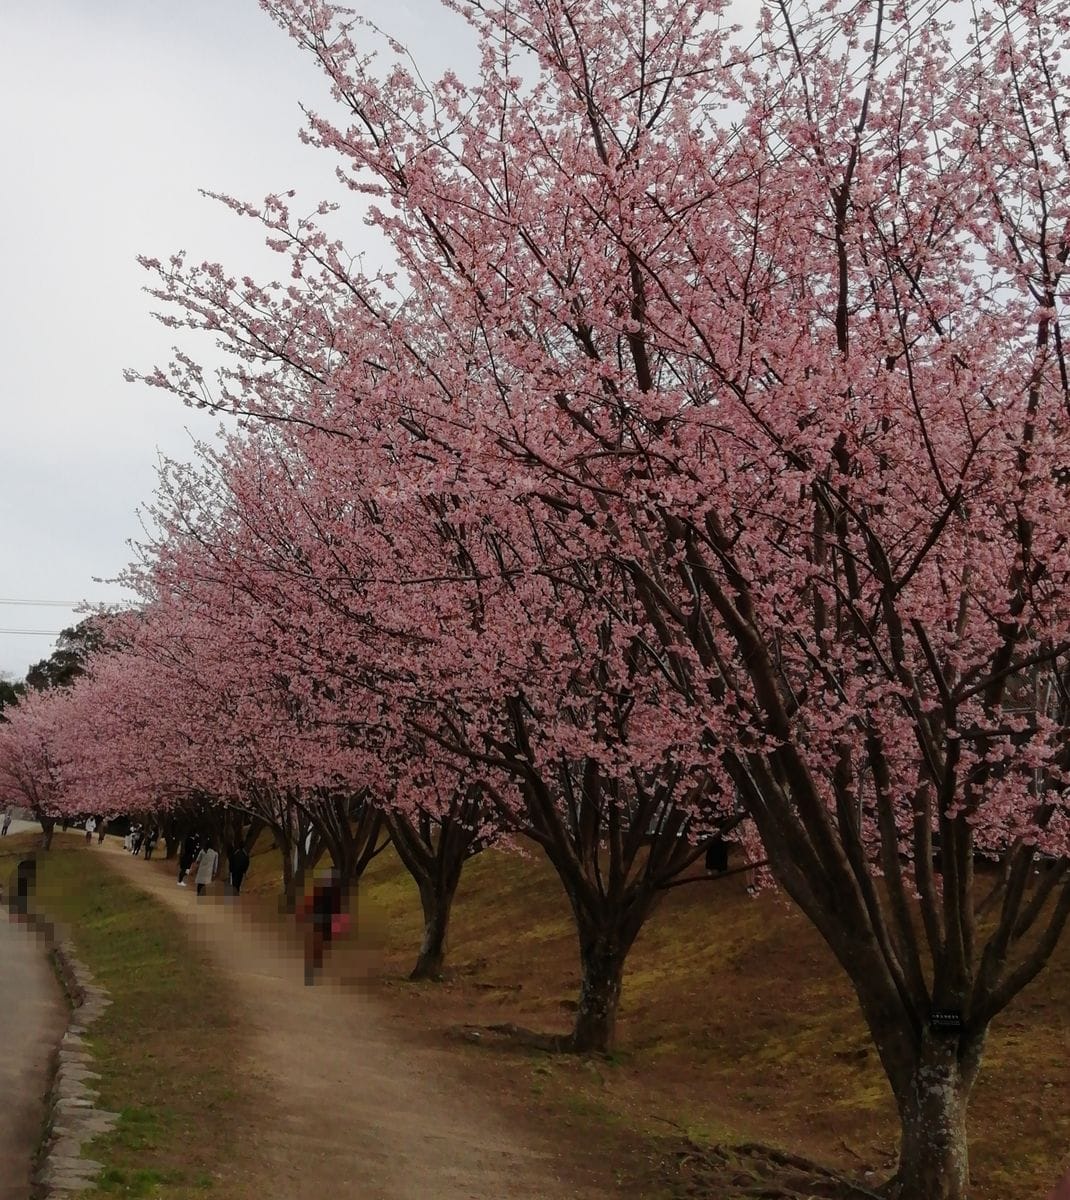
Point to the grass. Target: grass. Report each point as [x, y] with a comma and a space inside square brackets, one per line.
[162, 1046]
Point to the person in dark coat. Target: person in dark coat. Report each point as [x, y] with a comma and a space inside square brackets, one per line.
[191, 845]
[716, 856]
[238, 861]
[20, 894]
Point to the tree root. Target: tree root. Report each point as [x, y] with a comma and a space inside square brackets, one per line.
[751, 1171]
[513, 1035]
[552, 1043]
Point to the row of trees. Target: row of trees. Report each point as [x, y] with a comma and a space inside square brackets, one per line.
[701, 471]
[29, 759]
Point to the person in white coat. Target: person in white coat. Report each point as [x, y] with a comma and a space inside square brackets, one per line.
[207, 865]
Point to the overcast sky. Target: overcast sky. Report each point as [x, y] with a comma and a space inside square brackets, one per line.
[112, 114]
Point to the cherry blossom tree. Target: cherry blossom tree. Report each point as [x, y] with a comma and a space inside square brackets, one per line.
[30, 764]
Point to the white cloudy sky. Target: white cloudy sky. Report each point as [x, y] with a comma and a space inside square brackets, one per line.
[112, 114]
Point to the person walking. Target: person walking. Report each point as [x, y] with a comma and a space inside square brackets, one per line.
[102, 829]
[90, 829]
[207, 865]
[238, 861]
[323, 918]
[191, 844]
[150, 844]
[25, 885]
[7, 823]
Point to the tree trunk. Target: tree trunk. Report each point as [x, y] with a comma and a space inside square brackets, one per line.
[307, 859]
[288, 899]
[252, 833]
[933, 1152]
[48, 826]
[172, 839]
[602, 965]
[436, 899]
[296, 883]
[434, 854]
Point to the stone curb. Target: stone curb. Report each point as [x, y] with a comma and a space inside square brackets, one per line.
[73, 1120]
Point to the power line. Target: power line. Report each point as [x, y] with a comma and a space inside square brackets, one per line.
[45, 603]
[34, 632]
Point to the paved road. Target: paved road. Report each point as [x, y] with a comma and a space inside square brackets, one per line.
[24, 827]
[32, 1019]
[34, 827]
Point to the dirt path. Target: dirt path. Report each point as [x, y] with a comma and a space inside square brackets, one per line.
[354, 1105]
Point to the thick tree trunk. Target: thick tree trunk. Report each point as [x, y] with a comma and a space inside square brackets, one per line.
[933, 1153]
[48, 827]
[602, 965]
[436, 899]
